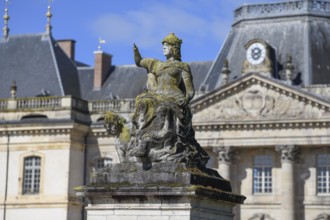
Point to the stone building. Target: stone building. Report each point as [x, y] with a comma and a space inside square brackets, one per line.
[262, 112]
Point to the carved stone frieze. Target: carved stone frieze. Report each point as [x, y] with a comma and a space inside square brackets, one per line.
[260, 102]
[289, 153]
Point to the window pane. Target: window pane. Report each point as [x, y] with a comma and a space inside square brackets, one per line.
[323, 173]
[31, 175]
[262, 174]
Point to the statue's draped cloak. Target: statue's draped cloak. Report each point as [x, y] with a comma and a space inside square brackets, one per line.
[163, 127]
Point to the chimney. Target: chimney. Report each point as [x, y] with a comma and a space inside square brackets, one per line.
[101, 68]
[68, 46]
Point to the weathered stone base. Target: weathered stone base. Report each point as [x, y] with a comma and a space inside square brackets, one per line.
[158, 207]
[160, 191]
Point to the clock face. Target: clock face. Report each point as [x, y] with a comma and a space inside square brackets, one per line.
[256, 53]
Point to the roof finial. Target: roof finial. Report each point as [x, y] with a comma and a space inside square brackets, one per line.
[6, 19]
[49, 16]
[225, 72]
[101, 41]
[289, 69]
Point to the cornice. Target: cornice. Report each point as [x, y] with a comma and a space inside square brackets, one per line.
[230, 126]
[44, 131]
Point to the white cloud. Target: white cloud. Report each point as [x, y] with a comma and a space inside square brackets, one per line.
[149, 24]
[202, 24]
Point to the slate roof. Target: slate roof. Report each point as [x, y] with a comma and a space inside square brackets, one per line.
[297, 28]
[37, 64]
[128, 81]
[122, 82]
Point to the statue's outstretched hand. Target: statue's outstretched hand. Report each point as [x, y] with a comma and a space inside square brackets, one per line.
[137, 55]
[135, 48]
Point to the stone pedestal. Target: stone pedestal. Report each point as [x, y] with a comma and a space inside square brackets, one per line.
[171, 191]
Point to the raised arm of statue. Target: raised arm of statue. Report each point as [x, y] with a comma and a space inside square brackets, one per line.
[137, 55]
[147, 63]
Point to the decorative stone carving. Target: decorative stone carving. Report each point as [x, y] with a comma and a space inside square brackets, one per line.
[289, 153]
[259, 102]
[226, 154]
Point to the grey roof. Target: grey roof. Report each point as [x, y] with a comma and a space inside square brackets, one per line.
[37, 64]
[122, 82]
[297, 28]
[128, 81]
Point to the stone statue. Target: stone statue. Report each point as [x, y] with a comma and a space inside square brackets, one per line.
[161, 162]
[161, 128]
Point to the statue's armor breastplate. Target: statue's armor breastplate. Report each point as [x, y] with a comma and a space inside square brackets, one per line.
[168, 79]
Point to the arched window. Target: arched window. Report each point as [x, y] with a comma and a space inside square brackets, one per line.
[323, 173]
[102, 162]
[31, 175]
[262, 174]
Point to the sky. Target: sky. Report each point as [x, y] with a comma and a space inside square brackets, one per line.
[201, 24]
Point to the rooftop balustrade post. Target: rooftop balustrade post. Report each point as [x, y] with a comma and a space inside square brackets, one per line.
[12, 104]
[66, 102]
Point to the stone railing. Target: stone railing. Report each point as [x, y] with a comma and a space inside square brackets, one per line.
[3, 104]
[287, 8]
[38, 103]
[122, 105]
[66, 102]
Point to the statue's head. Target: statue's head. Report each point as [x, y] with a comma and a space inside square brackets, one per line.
[175, 42]
[113, 123]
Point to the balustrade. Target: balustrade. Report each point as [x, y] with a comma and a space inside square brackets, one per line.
[289, 8]
[67, 102]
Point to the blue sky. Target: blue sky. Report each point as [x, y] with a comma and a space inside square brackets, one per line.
[202, 25]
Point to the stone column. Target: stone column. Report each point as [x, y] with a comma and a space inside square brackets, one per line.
[226, 158]
[289, 155]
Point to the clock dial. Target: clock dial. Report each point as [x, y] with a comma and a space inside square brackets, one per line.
[256, 53]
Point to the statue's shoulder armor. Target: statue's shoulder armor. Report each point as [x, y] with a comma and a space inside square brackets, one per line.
[183, 66]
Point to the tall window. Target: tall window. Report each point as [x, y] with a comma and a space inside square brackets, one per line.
[323, 174]
[262, 174]
[102, 162]
[31, 176]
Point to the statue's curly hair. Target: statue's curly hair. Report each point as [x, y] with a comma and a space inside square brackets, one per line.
[176, 52]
